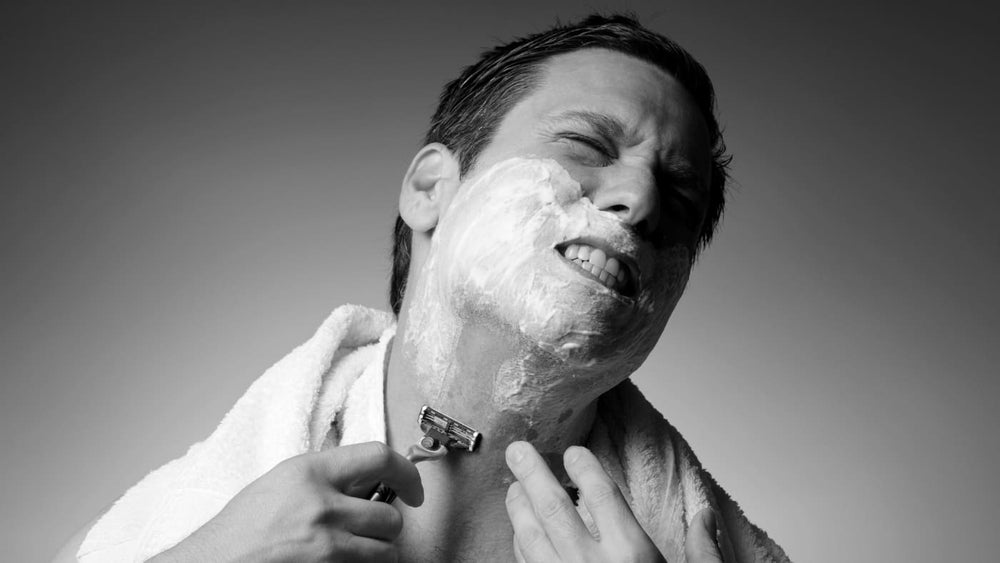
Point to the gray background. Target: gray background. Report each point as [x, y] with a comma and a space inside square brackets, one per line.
[187, 191]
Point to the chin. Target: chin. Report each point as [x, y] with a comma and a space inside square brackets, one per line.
[584, 326]
[582, 347]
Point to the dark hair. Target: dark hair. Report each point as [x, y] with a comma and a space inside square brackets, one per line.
[473, 105]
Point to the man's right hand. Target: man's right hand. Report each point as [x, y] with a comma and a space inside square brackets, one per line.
[311, 507]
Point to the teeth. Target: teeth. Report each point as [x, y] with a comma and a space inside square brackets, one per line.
[612, 267]
[598, 258]
[595, 261]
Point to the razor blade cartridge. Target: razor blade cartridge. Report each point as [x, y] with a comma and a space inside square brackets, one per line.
[448, 431]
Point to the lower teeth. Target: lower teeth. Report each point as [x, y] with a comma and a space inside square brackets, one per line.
[610, 282]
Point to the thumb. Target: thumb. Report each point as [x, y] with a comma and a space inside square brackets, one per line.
[702, 544]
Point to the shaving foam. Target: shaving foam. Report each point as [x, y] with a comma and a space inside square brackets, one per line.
[494, 261]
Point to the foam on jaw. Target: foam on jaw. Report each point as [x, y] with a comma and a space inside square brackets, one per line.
[493, 260]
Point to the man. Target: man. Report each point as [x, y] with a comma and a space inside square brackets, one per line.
[547, 229]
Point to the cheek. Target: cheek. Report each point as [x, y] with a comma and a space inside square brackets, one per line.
[671, 271]
[496, 256]
[497, 262]
[502, 231]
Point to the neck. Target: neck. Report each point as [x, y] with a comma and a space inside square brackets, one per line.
[493, 380]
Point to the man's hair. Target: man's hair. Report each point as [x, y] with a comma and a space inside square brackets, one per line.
[473, 105]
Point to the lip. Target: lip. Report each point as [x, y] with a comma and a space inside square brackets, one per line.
[631, 289]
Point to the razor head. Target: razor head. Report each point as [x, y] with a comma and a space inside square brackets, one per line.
[449, 432]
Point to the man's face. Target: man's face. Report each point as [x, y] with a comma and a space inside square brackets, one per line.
[589, 265]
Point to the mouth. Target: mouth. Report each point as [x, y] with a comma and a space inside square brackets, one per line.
[613, 271]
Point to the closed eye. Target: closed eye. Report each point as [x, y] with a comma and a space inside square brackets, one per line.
[684, 196]
[591, 150]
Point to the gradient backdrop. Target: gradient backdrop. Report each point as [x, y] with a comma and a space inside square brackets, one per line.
[188, 191]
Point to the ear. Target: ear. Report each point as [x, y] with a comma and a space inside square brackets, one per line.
[428, 186]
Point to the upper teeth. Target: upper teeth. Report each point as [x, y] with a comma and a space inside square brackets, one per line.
[594, 260]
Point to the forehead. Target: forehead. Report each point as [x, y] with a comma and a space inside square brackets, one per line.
[650, 104]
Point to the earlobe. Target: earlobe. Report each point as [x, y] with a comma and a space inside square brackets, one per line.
[428, 186]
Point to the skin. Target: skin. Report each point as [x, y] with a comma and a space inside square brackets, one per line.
[645, 177]
[547, 528]
[646, 182]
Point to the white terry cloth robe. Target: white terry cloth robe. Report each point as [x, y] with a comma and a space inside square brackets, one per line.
[330, 391]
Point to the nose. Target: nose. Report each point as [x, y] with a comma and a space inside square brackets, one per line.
[630, 194]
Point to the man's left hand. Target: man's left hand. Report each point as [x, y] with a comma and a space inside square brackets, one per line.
[547, 526]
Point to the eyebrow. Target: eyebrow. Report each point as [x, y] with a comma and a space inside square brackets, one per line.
[605, 125]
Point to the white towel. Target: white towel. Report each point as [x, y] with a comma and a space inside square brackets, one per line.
[338, 377]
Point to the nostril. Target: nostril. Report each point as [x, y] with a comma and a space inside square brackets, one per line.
[644, 227]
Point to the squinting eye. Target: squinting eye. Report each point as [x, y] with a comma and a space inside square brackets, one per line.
[590, 149]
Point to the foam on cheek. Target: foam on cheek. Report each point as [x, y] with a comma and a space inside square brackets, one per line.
[504, 262]
[504, 232]
[493, 259]
[488, 255]
[505, 227]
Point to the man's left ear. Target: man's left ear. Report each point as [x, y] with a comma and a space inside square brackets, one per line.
[430, 183]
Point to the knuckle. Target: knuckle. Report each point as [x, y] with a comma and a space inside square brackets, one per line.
[380, 452]
[393, 521]
[350, 548]
[303, 467]
[601, 494]
[552, 507]
[529, 466]
[290, 466]
[318, 541]
[530, 537]
[356, 548]
[322, 507]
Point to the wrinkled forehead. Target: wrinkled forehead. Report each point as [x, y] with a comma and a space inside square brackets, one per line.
[633, 99]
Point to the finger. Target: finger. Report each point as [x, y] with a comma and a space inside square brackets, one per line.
[551, 504]
[357, 468]
[361, 517]
[701, 545]
[357, 548]
[517, 551]
[530, 541]
[602, 496]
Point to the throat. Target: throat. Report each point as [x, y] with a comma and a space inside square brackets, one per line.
[475, 528]
[498, 385]
[490, 378]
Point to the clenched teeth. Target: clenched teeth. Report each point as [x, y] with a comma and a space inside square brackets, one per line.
[609, 270]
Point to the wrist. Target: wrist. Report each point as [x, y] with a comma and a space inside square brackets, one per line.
[193, 549]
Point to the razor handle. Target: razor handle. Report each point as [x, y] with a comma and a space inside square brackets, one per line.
[441, 432]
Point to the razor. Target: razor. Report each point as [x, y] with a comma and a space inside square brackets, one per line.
[441, 434]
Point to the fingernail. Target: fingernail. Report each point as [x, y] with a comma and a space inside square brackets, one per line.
[572, 454]
[515, 452]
